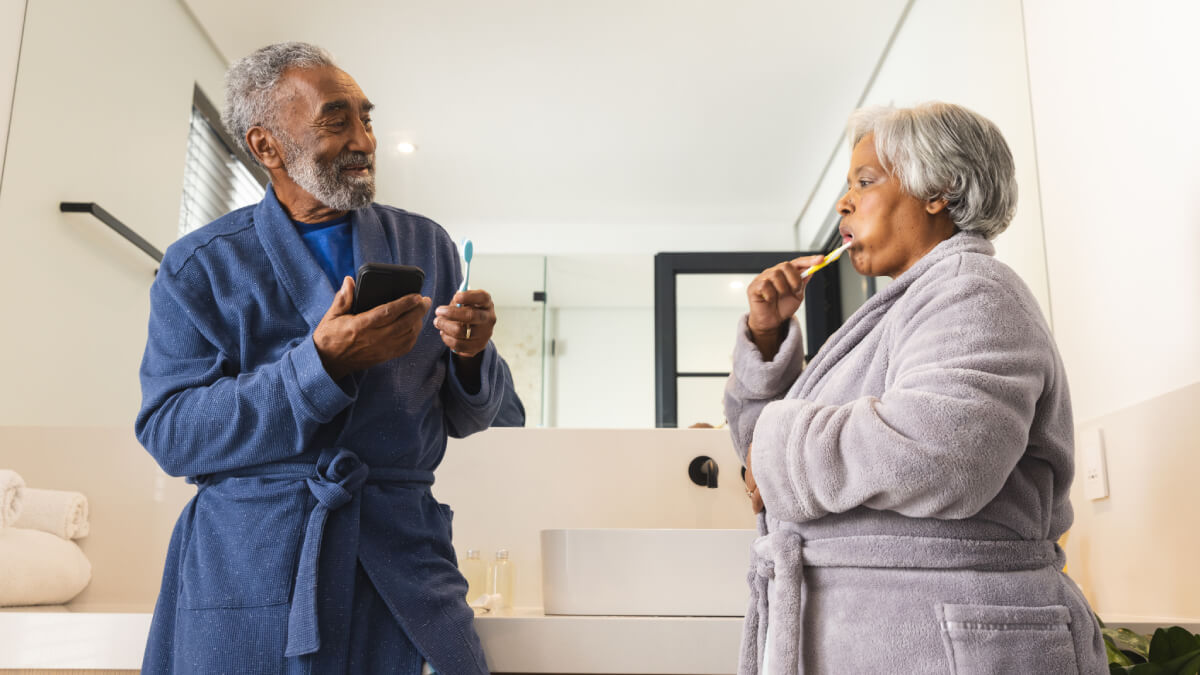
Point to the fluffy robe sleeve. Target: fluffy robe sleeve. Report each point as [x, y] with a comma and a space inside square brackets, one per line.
[966, 368]
[755, 383]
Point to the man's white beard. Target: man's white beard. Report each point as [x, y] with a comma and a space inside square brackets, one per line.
[326, 182]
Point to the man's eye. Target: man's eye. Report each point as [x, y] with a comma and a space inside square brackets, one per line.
[863, 182]
[366, 122]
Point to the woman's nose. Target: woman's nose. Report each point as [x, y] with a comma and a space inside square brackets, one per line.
[844, 206]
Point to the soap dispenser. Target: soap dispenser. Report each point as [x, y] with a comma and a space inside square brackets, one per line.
[476, 574]
[500, 580]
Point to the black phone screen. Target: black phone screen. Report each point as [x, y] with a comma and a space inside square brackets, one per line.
[380, 283]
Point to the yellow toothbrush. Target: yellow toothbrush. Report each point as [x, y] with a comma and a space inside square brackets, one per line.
[837, 253]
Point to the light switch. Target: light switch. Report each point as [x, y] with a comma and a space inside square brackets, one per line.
[1095, 469]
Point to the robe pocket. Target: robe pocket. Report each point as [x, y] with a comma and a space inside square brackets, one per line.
[988, 639]
[247, 640]
[244, 544]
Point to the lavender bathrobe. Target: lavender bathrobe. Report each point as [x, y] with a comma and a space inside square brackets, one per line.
[915, 477]
[313, 544]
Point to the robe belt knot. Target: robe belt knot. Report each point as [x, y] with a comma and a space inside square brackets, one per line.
[337, 481]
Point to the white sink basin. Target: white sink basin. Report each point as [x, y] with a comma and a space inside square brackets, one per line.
[630, 572]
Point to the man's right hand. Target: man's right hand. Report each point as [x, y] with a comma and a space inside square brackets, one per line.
[349, 342]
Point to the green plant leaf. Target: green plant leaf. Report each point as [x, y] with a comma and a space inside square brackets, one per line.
[1134, 656]
[1170, 643]
[1146, 669]
[1190, 668]
[1129, 641]
[1184, 663]
[1115, 656]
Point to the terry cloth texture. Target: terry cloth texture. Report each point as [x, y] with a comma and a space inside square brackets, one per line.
[916, 472]
[11, 497]
[59, 512]
[38, 568]
[303, 479]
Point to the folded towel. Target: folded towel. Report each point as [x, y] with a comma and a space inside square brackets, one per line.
[38, 568]
[58, 512]
[10, 497]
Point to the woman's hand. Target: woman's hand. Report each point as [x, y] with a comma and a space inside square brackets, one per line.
[775, 296]
[756, 502]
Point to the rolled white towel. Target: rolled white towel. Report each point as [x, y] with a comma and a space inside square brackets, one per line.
[59, 512]
[38, 568]
[11, 485]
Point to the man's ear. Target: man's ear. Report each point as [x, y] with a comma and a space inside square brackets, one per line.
[265, 148]
[935, 206]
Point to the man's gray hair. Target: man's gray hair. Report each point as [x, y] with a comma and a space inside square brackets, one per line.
[250, 85]
[944, 151]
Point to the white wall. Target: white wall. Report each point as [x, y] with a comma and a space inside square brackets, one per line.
[978, 62]
[101, 114]
[1113, 99]
[12, 20]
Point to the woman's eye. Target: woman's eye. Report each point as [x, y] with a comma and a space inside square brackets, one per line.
[863, 182]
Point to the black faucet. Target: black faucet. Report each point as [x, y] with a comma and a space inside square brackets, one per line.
[703, 471]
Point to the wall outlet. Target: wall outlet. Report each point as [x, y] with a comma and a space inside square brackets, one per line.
[1095, 469]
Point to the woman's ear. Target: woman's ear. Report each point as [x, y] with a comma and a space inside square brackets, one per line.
[265, 148]
[936, 206]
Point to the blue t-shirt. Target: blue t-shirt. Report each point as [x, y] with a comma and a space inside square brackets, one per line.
[332, 245]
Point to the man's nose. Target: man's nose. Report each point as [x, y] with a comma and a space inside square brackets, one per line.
[363, 139]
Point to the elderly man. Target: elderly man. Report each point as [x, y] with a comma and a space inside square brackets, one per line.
[313, 544]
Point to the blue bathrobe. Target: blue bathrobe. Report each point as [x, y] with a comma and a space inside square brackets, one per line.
[313, 543]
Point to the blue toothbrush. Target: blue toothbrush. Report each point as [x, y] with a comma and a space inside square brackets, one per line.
[468, 250]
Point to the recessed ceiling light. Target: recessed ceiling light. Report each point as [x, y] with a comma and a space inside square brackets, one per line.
[737, 285]
[406, 148]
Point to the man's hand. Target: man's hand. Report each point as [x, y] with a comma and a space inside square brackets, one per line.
[467, 329]
[756, 502]
[351, 342]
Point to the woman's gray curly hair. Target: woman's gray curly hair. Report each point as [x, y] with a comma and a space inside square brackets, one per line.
[945, 151]
[250, 85]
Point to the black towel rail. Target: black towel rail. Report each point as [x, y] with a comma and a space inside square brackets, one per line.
[109, 220]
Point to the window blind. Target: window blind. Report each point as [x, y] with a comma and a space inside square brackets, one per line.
[215, 181]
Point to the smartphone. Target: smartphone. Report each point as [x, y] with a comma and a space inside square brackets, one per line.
[380, 283]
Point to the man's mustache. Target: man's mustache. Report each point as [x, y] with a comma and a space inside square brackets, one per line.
[354, 158]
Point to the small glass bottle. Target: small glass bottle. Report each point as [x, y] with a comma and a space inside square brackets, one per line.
[476, 574]
[500, 580]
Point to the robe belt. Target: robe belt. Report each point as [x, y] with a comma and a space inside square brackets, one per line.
[782, 555]
[338, 475]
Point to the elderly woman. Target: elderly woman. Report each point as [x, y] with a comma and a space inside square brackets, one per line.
[911, 481]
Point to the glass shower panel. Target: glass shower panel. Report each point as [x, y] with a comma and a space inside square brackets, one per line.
[515, 282]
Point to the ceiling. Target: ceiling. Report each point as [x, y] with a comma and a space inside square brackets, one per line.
[580, 126]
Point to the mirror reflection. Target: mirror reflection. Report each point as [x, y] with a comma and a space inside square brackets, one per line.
[597, 359]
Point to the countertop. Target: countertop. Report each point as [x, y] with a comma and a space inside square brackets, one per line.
[523, 640]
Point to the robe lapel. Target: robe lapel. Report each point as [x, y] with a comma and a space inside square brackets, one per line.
[370, 240]
[298, 272]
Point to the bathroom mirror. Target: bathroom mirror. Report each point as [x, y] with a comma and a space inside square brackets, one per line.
[573, 141]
